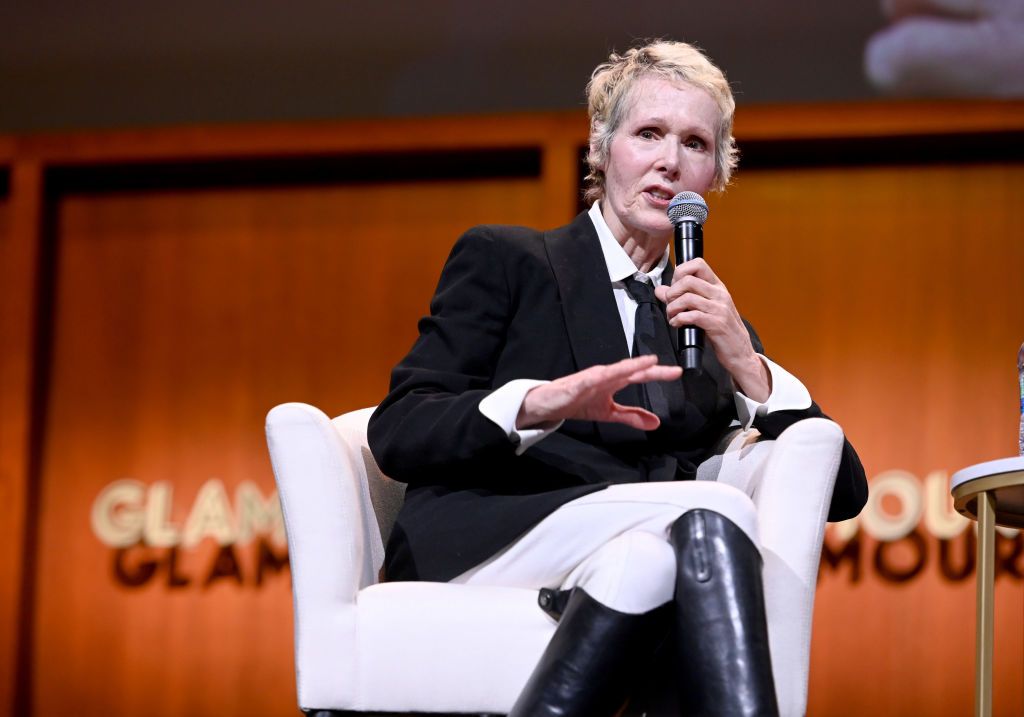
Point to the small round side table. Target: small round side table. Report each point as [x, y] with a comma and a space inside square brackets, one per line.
[991, 493]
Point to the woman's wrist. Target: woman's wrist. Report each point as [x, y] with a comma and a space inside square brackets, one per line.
[527, 416]
[754, 380]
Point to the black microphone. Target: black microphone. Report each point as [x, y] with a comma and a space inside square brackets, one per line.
[688, 211]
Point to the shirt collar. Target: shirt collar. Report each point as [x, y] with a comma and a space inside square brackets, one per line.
[620, 266]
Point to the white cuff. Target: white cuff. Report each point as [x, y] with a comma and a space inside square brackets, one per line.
[788, 394]
[502, 407]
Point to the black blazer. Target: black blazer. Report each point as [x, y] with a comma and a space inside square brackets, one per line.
[511, 303]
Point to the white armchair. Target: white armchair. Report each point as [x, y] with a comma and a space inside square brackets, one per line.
[366, 646]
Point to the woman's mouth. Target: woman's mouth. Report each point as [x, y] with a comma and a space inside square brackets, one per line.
[658, 197]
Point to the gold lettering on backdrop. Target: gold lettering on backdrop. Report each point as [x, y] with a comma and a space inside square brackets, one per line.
[158, 530]
[913, 525]
[150, 546]
[210, 516]
[118, 513]
[879, 520]
[898, 502]
[128, 512]
[257, 515]
[940, 518]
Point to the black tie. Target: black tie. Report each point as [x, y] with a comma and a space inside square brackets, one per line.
[651, 337]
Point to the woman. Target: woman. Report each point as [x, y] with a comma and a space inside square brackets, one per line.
[540, 454]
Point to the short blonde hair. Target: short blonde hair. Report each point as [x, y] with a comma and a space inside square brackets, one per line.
[609, 97]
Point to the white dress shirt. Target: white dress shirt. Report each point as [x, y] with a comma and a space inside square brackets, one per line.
[502, 405]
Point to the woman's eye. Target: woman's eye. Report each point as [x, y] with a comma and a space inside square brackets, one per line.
[647, 134]
[696, 143]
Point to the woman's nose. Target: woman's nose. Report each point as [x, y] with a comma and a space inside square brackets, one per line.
[668, 157]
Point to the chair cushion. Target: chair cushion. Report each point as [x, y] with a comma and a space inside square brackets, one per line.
[458, 648]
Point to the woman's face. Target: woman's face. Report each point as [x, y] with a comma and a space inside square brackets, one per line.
[665, 145]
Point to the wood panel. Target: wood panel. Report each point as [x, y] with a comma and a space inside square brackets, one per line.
[11, 498]
[20, 247]
[894, 293]
[753, 122]
[181, 318]
[876, 119]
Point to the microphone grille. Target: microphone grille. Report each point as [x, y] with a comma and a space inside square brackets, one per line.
[687, 205]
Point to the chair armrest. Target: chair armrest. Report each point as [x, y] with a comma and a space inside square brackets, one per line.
[333, 542]
[792, 492]
[795, 490]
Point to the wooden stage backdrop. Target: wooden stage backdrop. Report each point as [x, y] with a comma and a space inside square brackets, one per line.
[162, 289]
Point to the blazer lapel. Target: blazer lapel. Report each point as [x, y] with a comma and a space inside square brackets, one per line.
[589, 310]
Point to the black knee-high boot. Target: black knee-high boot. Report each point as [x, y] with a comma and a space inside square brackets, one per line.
[591, 663]
[721, 632]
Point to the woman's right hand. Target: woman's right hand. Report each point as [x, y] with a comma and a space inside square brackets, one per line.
[588, 395]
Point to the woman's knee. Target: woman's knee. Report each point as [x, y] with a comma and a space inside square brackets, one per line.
[634, 573]
[726, 500]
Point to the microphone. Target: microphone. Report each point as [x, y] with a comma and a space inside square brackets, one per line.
[688, 211]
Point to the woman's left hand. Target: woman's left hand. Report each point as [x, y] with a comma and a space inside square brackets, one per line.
[697, 297]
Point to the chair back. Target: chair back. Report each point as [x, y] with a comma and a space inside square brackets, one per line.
[386, 495]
